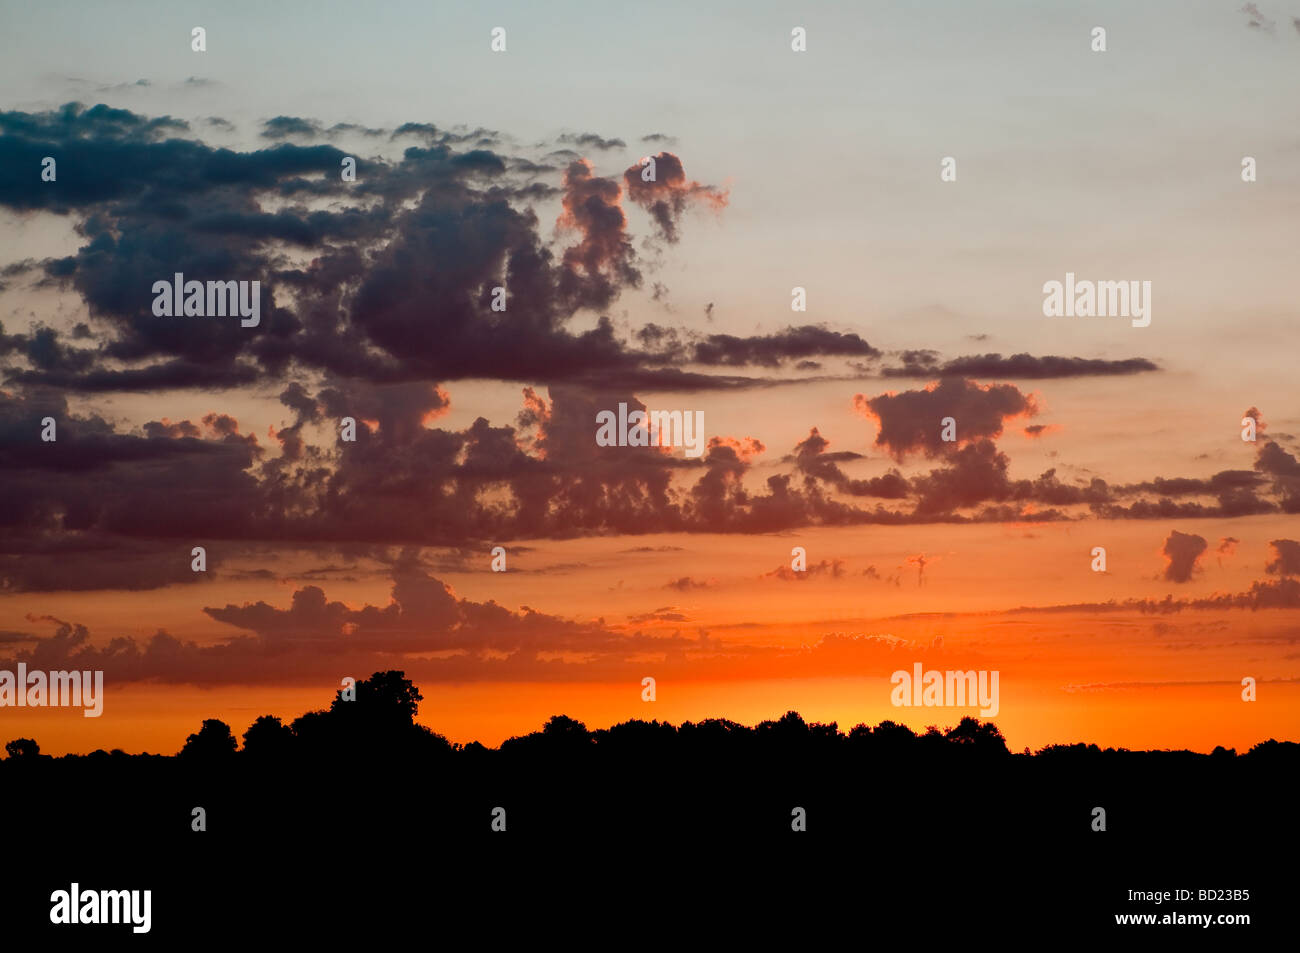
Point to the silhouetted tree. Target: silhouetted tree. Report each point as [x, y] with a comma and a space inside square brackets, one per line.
[213, 740]
[1272, 748]
[933, 739]
[889, 736]
[383, 698]
[637, 734]
[311, 733]
[789, 726]
[562, 726]
[561, 735]
[22, 748]
[367, 765]
[565, 734]
[267, 737]
[378, 723]
[982, 736]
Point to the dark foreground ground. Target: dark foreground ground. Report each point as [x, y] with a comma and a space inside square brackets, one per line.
[366, 827]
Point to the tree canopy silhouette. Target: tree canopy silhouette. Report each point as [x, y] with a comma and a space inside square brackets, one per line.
[364, 760]
[22, 748]
[268, 737]
[213, 740]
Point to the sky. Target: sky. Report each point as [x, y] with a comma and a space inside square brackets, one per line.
[776, 169]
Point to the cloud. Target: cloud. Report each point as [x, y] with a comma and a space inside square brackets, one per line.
[315, 638]
[911, 421]
[399, 265]
[1256, 20]
[377, 293]
[667, 196]
[687, 583]
[1028, 367]
[589, 140]
[1182, 550]
[313, 635]
[401, 268]
[284, 126]
[916, 363]
[1264, 594]
[408, 480]
[665, 614]
[603, 260]
[771, 350]
[812, 458]
[1283, 469]
[975, 473]
[1287, 562]
[834, 568]
[154, 497]
[925, 363]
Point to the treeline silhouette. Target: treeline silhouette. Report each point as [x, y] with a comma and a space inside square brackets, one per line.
[365, 767]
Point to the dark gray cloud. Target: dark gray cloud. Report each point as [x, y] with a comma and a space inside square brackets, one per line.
[314, 635]
[1287, 561]
[1024, 366]
[284, 126]
[375, 293]
[911, 421]
[687, 583]
[394, 291]
[771, 350]
[1028, 367]
[589, 140]
[1183, 550]
[1262, 594]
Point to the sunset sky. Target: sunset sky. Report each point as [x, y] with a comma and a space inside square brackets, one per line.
[476, 429]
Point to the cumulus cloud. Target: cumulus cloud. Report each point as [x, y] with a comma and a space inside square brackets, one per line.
[667, 196]
[382, 294]
[603, 260]
[282, 127]
[402, 267]
[310, 636]
[1182, 550]
[911, 421]
[1287, 558]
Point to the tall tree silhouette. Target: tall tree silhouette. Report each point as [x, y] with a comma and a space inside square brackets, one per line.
[268, 737]
[985, 736]
[214, 740]
[383, 698]
[22, 748]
